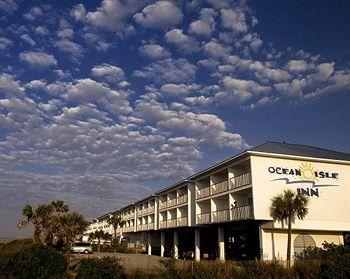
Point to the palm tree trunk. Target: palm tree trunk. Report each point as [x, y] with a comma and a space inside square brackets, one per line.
[98, 245]
[289, 242]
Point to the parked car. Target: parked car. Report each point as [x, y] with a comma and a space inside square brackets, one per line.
[82, 247]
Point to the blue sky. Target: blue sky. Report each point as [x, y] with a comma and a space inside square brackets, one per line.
[103, 102]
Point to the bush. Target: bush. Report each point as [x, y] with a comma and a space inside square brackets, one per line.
[105, 268]
[34, 261]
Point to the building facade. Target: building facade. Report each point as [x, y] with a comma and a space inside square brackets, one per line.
[223, 212]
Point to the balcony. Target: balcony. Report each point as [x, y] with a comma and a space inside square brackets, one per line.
[162, 224]
[150, 226]
[182, 199]
[163, 205]
[240, 180]
[219, 187]
[171, 223]
[203, 218]
[171, 202]
[181, 222]
[151, 209]
[242, 213]
[202, 193]
[221, 215]
[128, 229]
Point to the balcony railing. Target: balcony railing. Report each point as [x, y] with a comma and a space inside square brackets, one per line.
[182, 221]
[171, 223]
[163, 204]
[242, 212]
[151, 209]
[182, 199]
[128, 229]
[171, 202]
[203, 218]
[150, 226]
[219, 187]
[202, 193]
[162, 224]
[240, 180]
[221, 215]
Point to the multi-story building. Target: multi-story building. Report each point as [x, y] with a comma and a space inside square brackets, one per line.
[224, 211]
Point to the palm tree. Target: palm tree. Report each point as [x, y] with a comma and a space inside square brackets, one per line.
[39, 217]
[59, 207]
[99, 235]
[115, 221]
[286, 207]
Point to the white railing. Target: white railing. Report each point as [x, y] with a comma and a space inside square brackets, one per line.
[240, 180]
[171, 223]
[203, 218]
[162, 224]
[242, 212]
[182, 199]
[204, 192]
[150, 226]
[163, 205]
[151, 209]
[182, 221]
[221, 215]
[171, 202]
[219, 187]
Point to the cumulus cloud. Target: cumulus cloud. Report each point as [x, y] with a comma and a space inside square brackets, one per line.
[162, 14]
[37, 59]
[108, 72]
[168, 70]
[182, 41]
[153, 51]
[234, 19]
[5, 43]
[205, 25]
[33, 14]
[8, 6]
[28, 39]
[113, 14]
[74, 49]
[9, 85]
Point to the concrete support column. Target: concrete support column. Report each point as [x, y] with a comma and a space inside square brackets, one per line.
[176, 244]
[221, 243]
[162, 243]
[197, 243]
[149, 246]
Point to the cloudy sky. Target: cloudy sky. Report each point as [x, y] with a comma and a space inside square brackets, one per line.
[105, 101]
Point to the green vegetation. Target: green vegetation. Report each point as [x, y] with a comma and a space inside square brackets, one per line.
[105, 268]
[286, 207]
[33, 261]
[99, 235]
[115, 221]
[53, 221]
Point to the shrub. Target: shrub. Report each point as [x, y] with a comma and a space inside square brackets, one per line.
[104, 268]
[34, 261]
[13, 246]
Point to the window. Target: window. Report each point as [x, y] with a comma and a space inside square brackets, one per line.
[302, 242]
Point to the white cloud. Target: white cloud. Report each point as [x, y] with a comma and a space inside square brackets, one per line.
[37, 59]
[5, 43]
[9, 85]
[234, 19]
[67, 46]
[28, 39]
[36, 84]
[41, 30]
[178, 90]
[215, 49]
[182, 41]
[153, 51]
[205, 25]
[296, 66]
[33, 14]
[168, 70]
[78, 12]
[114, 14]
[161, 14]
[8, 6]
[110, 73]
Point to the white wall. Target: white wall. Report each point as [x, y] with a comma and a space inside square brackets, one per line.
[329, 211]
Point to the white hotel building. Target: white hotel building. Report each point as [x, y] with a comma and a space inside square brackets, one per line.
[223, 212]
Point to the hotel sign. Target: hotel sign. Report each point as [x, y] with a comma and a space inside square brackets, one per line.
[306, 177]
